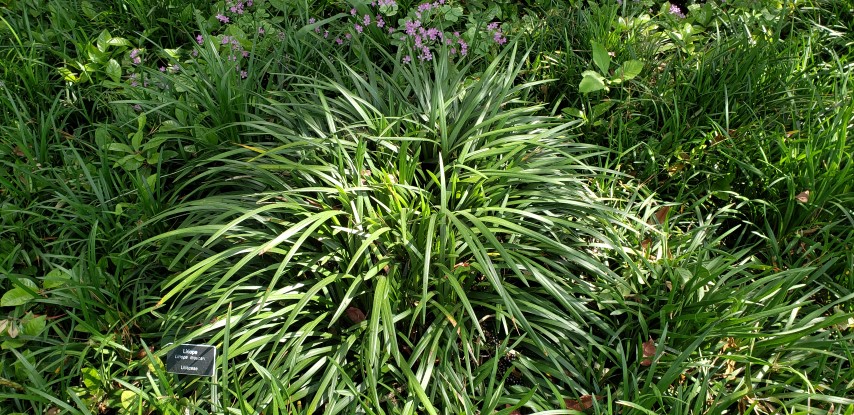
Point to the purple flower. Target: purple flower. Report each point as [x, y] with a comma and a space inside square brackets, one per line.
[200, 40]
[338, 40]
[366, 20]
[380, 21]
[137, 107]
[175, 68]
[432, 33]
[162, 69]
[674, 10]
[225, 40]
[311, 20]
[425, 55]
[194, 53]
[134, 56]
[325, 34]
[260, 30]
[243, 74]
[412, 27]
[492, 26]
[352, 12]
[499, 39]
[358, 28]
[348, 36]
[407, 59]
[221, 18]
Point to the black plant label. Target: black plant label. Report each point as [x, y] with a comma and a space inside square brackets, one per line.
[192, 359]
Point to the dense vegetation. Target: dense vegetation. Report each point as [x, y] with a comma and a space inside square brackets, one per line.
[457, 207]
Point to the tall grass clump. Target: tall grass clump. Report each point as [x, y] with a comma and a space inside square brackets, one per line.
[383, 207]
[440, 246]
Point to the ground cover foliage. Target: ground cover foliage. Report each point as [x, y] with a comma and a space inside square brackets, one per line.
[453, 207]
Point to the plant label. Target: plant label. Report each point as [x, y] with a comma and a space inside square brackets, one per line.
[192, 359]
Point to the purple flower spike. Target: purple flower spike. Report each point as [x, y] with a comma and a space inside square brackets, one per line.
[221, 18]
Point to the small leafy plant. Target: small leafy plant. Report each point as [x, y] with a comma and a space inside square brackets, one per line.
[100, 61]
[593, 81]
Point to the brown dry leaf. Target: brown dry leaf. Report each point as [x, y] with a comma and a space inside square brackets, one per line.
[645, 244]
[463, 264]
[648, 352]
[661, 214]
[803, 197]
[355, 315]
[669, 285]
[514, 412]
[730, 344]
[12, 331]
[730, 367]
[582, 403]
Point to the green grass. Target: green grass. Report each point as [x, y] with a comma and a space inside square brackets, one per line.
[464, 235]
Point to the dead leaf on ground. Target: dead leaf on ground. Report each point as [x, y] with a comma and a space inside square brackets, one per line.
[513, 412]
[648, 352]
[355, 315]
[661, 214]
[583, 403]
